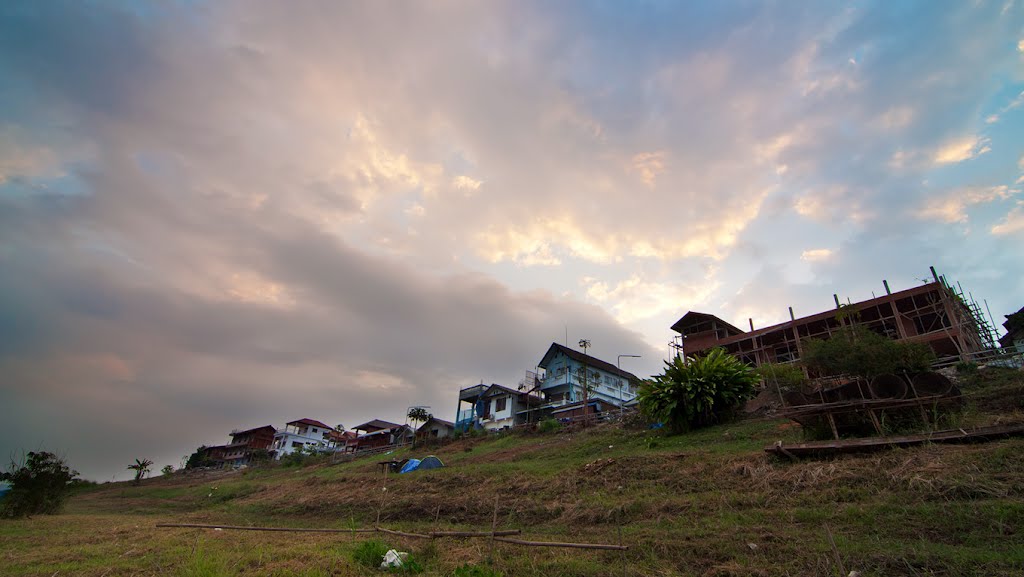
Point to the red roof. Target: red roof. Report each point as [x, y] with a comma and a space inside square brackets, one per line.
[310, 423]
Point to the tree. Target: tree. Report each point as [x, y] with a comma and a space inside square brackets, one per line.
[419, 415]
[697, 392]
[141, 468]
[39, 485]
[167, 471]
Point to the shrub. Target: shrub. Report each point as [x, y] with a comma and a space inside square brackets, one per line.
[39, 485]
[786, 376]
[370, 553]
[966, 368]
[167, 471]
[697, 392]
[549, 426]
[856, 350]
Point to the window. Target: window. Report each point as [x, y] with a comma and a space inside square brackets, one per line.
[499, 404]
[296, 445]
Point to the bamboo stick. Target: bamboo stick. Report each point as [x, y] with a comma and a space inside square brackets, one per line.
[503, 532]
[556, 544]
[246, 528]
[403, 533]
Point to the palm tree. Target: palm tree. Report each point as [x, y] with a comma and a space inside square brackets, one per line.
[419, 415]
[141, 468]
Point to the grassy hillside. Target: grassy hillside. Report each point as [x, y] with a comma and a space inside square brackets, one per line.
[706, 503]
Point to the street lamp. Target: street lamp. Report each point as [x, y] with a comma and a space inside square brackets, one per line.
[584, 343]
[622, 399]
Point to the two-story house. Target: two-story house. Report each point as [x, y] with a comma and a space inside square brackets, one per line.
[567, 371]
[494, 407]
[243, 443]
[297, 435]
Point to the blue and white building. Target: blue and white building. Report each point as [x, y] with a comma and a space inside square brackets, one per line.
[567, 370]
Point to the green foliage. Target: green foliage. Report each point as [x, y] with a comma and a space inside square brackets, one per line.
[468, 570]
[167, 471]
[39, 485]
[370, 553]
[697, 392]
[856, 350]
[966, 368]
[549, 426]
[257, 456]
[141, 468]
[200, 458]
[787, 376]
[419, 415]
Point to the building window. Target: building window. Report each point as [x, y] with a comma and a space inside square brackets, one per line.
[296, 445]
[499, 404]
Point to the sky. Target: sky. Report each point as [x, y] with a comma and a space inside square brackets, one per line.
[221, 215]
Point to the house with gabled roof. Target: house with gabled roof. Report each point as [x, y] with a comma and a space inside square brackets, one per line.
[567, 371]
[302, 433]
[434, 428]
[380, 433]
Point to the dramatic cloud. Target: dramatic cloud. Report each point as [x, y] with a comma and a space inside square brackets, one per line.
[221, 215]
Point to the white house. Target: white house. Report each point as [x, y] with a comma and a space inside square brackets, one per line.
[495, 407]
[297, 435]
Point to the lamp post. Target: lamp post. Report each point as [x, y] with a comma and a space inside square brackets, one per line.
[584, 344]
[622, 399]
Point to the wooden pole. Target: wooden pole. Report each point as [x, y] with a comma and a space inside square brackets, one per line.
[402, 533]
[504, 532]
[284, 529]
[494, 527]
[557, 544]
[835, 551]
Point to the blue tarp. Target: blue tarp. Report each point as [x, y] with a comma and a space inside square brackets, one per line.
[412, 465]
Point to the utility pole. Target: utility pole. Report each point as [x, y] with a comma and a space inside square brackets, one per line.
[618, 365]
[584, 343]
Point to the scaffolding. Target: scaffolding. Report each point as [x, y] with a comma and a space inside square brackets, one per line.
[935, 314]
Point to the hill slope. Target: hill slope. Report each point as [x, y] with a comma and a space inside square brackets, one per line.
[706, 503]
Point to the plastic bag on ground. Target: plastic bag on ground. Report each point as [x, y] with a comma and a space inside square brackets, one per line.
[393, 559]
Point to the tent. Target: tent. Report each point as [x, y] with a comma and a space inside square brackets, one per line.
[430, 462]
[410, 465]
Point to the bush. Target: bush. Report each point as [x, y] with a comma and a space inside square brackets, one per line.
[697, 392]
[856, 350]
[370, 553]
[167, 471]
[549, 426]
[39, 485]
[787, 376]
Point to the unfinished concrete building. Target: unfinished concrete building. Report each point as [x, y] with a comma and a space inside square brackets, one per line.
[935, 314]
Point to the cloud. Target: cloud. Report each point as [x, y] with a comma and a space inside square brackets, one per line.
[1013, 223]
[953, 206]
[961, 149]
[463, 182]
[649, 165]
[19, 160]
[634, 298]
[817, 254]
